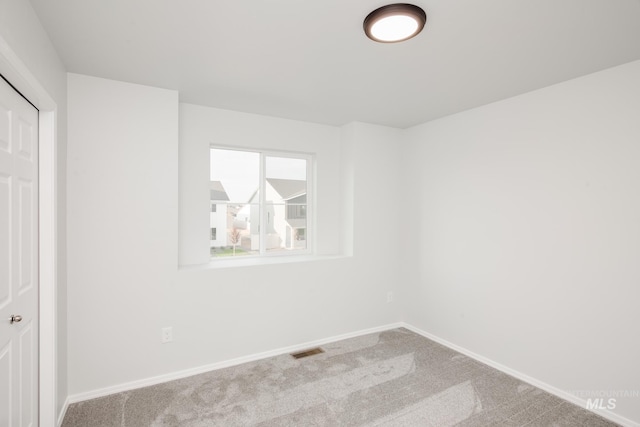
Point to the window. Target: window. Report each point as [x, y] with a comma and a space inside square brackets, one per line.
[213, 234]
[262, 201]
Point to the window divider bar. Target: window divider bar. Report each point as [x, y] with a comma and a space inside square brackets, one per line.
[262, 235]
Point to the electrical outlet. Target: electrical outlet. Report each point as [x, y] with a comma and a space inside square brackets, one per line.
[389, 297]
[167, 335]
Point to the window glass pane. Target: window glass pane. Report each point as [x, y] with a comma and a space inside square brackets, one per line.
[241, 225]
[235, 175]
[286, 179]
[235, 180]
[286, 227]
[286, 168]
[286, 209]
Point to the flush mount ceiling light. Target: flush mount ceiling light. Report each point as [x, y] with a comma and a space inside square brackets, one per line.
[394, 23]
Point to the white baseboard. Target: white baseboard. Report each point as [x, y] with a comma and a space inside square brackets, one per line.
[220, 365]
[250, 358]
[541, 385]
[63, 412]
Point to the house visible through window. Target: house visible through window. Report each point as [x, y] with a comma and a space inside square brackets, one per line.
[261, 200]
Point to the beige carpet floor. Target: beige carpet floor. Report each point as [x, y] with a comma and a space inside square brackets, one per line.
[392, 378]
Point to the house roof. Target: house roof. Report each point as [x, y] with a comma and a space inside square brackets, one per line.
[288, 188]
[217, 192]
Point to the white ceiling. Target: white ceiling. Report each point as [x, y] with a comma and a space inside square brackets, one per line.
[310, 60]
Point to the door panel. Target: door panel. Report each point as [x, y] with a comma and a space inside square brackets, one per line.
[25, 239]
[26, 140]
[6, 390]
[5, 128]
[18, 260]
[5, 240]
[26, 383]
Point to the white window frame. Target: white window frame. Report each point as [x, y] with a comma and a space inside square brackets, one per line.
[310, 218]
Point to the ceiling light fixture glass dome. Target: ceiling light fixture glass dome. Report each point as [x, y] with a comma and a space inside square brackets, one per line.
[394, 23]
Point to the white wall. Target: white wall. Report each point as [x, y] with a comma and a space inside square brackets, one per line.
[529, 243]
[22, 33]
[122, 221]
[124, 280]
[372, 155]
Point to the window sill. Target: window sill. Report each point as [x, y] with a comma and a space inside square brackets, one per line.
[256, 261]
